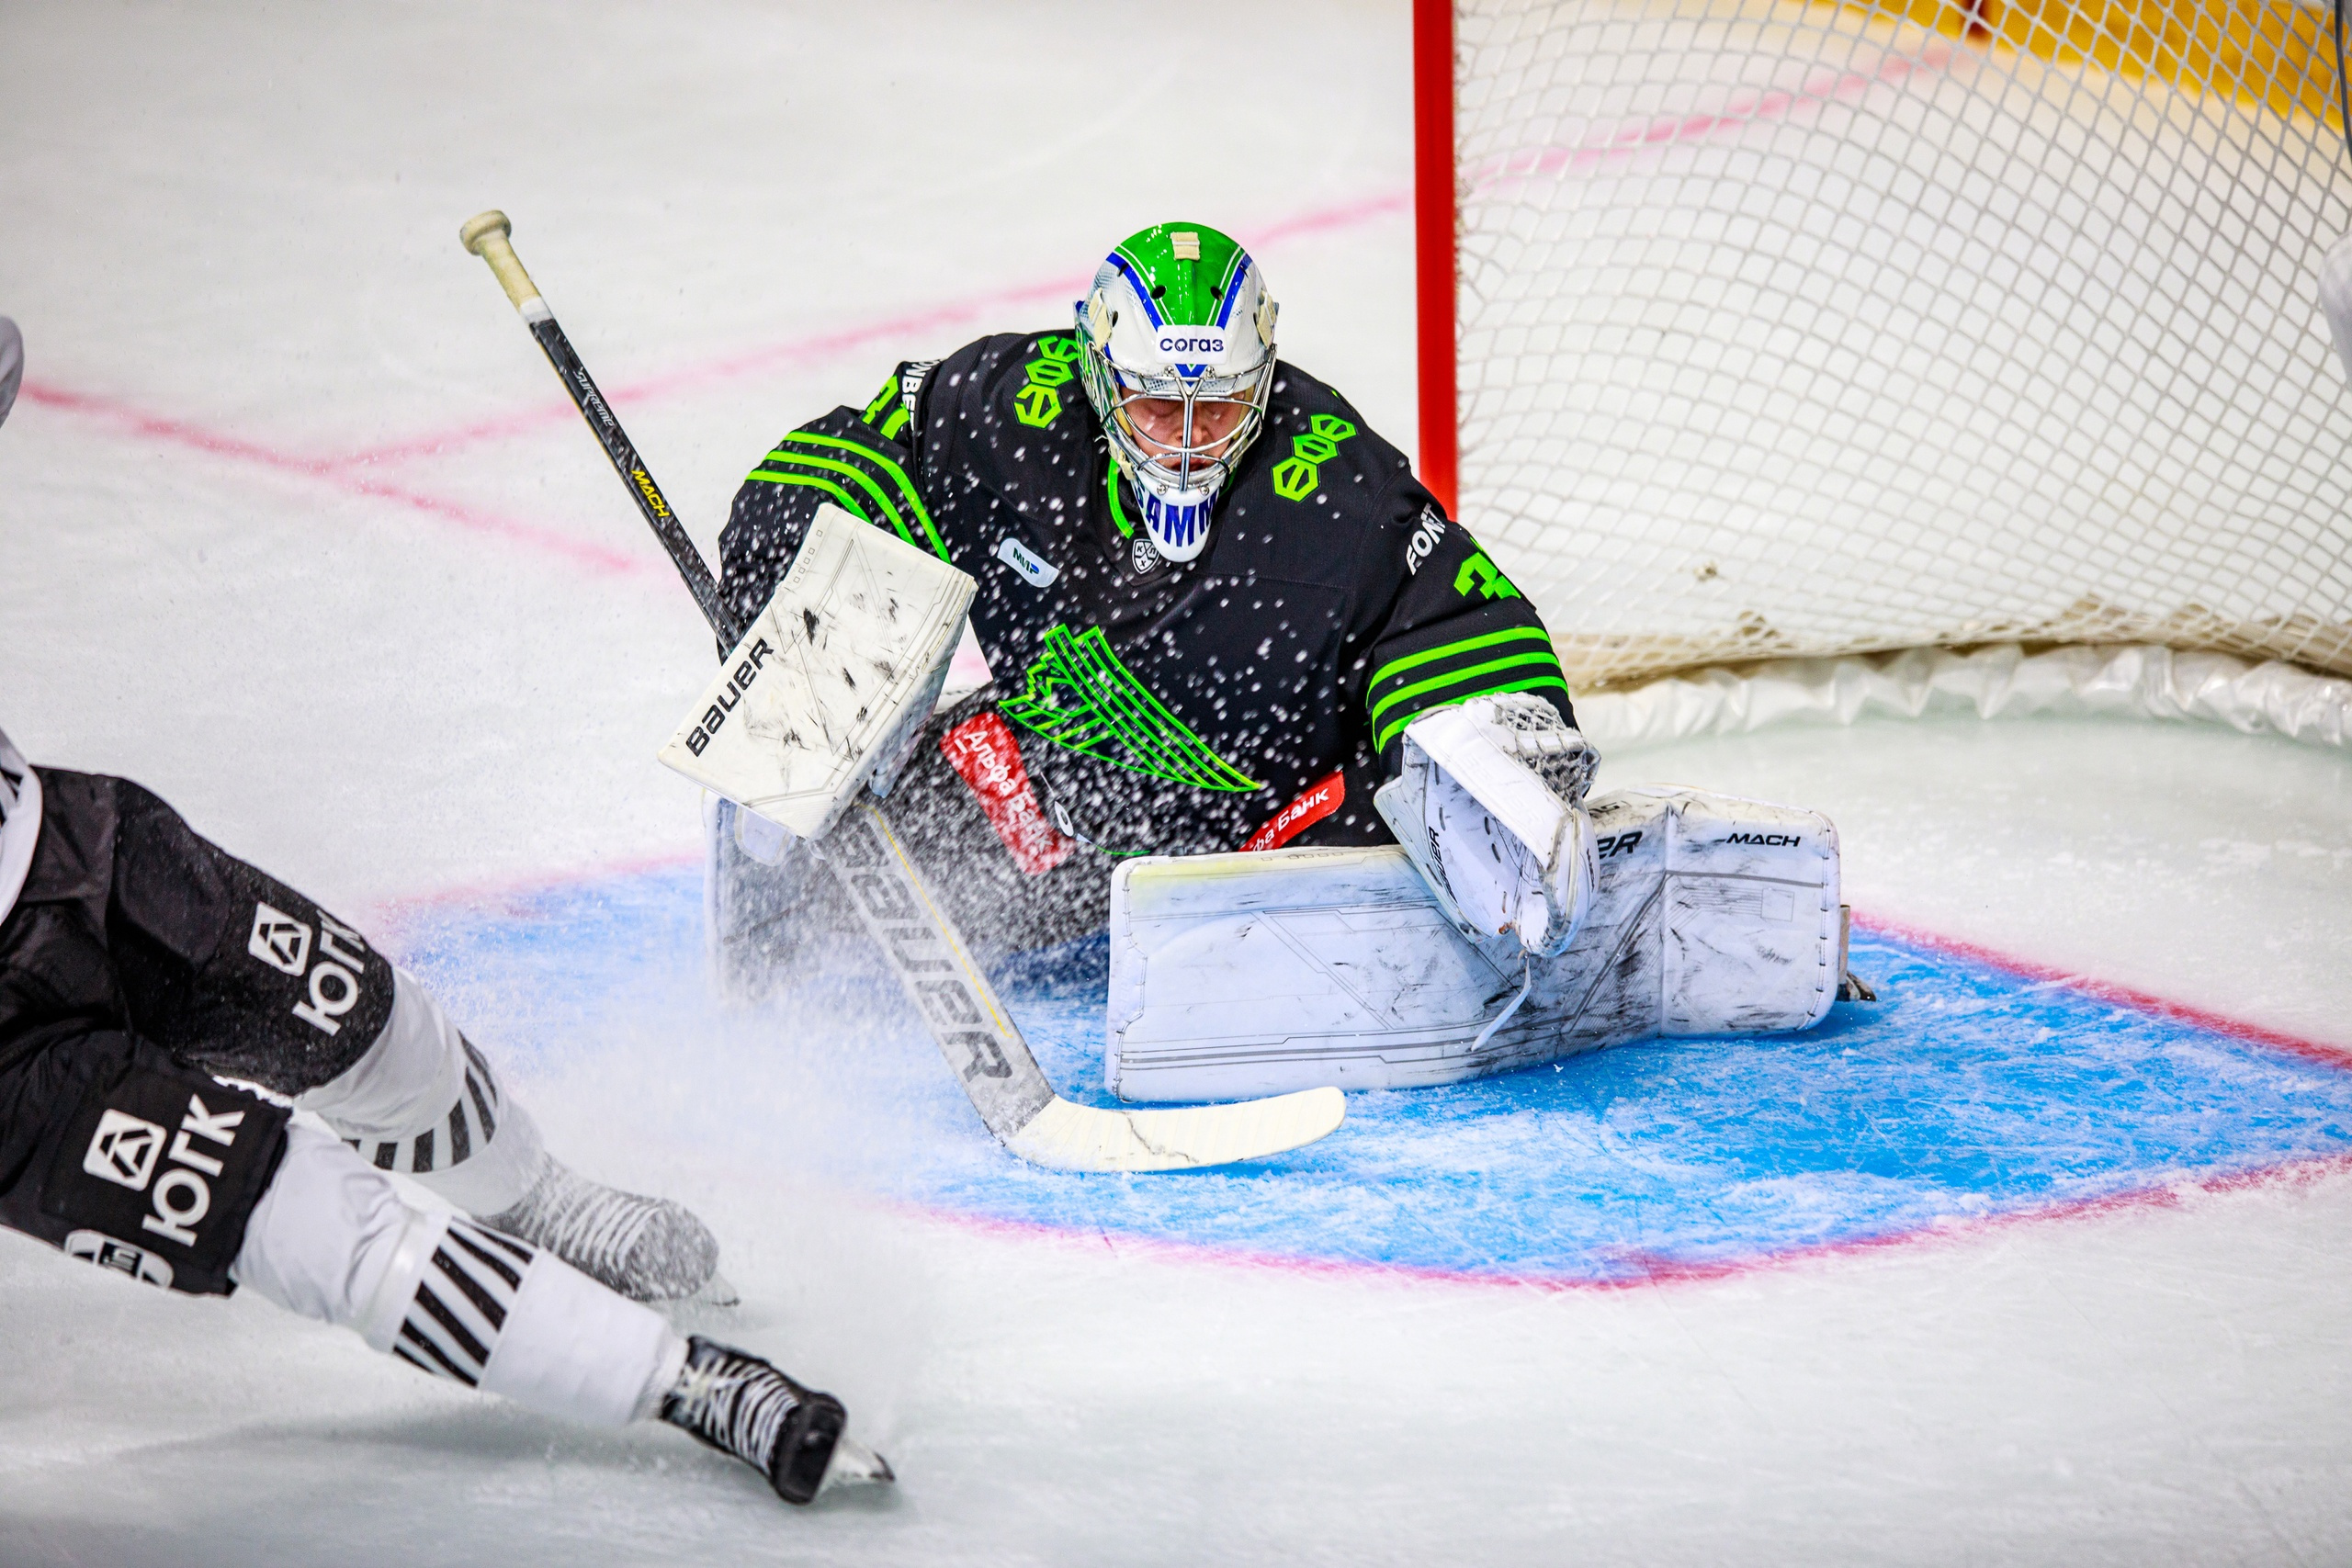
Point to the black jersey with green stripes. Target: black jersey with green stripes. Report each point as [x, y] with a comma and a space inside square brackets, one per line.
[1165, 707]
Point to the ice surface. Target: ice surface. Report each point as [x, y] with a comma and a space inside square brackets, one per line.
[297, 530]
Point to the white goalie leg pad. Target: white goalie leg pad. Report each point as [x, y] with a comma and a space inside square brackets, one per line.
[1257, 974]
[424, 1102]
[1488, 807]
[828, 690]
[332, 1240]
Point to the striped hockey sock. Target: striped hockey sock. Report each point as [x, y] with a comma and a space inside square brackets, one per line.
[461, 1304]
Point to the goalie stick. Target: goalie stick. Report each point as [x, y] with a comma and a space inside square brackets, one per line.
[926, 953]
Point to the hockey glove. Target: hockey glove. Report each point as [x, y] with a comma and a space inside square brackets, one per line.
[1489, 809]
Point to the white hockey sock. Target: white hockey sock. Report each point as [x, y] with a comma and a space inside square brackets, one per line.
[424, 1102]
[332, 1240]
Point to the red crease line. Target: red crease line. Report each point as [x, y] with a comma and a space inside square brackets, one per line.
[2337, 1057]
[504, 894]
[1652, 1270]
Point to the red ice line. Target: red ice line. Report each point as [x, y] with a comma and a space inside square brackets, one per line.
[1651, 1270]
[345, 470]
[1623, 142]
[508, 895]
[328, 470]
[825, 346]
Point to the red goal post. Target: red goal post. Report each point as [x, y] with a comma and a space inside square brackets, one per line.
[1752, 330]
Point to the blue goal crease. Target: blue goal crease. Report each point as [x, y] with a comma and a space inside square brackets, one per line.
[1966, 1093]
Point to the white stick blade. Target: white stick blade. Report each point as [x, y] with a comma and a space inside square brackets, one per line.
[1068, 1136]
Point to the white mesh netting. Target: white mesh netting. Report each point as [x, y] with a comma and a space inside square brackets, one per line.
[1813, 329]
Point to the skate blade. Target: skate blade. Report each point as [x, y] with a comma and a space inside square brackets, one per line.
[855, 1464]
[715, 1293]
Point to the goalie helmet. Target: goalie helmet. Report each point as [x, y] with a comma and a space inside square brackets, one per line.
[1177, 332]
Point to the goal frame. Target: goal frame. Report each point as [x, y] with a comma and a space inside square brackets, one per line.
[1435, 265]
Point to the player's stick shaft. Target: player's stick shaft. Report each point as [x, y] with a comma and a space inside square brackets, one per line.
[486, 235]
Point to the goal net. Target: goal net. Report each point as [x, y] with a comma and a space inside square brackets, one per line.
[1792, 329]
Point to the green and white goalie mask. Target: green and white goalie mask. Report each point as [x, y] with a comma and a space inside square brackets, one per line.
[1180, 356]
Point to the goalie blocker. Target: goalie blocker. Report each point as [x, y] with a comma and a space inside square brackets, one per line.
[1256, 974]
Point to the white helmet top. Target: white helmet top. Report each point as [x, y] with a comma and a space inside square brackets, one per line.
[20, 785]
[20, 822]
[1179, 337]
[12, 364]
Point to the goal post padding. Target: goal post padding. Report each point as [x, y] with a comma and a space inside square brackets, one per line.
[1786, 331]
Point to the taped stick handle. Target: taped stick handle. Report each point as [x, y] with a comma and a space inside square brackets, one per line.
[485, 234]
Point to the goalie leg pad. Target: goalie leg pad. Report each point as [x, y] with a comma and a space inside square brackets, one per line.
[1242, 975]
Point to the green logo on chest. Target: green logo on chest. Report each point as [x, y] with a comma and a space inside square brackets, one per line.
[1080, 697]
[1039, 401]
[1294, 476]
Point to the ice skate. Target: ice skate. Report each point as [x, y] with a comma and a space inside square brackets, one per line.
[740, 1405]
[649, 1250]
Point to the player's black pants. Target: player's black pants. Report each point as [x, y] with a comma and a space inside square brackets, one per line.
[140, 960]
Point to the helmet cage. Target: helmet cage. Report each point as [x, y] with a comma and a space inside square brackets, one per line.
[1193, 464]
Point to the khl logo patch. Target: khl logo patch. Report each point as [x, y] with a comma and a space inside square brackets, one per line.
[123, 1150]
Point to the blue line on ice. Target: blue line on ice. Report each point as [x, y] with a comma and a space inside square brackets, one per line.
[1967, 1093]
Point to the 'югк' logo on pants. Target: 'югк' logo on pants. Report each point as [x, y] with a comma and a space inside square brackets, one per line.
[283, 943]
[124, 1151]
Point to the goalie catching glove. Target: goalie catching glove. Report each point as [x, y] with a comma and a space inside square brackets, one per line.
[1490, 809]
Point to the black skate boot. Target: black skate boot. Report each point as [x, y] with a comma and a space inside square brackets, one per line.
[740, 1405]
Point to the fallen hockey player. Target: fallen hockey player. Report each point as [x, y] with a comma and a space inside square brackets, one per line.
[1222, 615]
[147, 978]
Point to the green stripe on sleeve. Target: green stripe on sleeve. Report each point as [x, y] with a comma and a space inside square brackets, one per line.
[1118, 511]
[1467, 645]
[1533, 684]
[864, 480]
[813, 482]
[888, 466]
[1452, 677]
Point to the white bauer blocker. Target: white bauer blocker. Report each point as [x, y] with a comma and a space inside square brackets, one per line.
[1258, 973]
